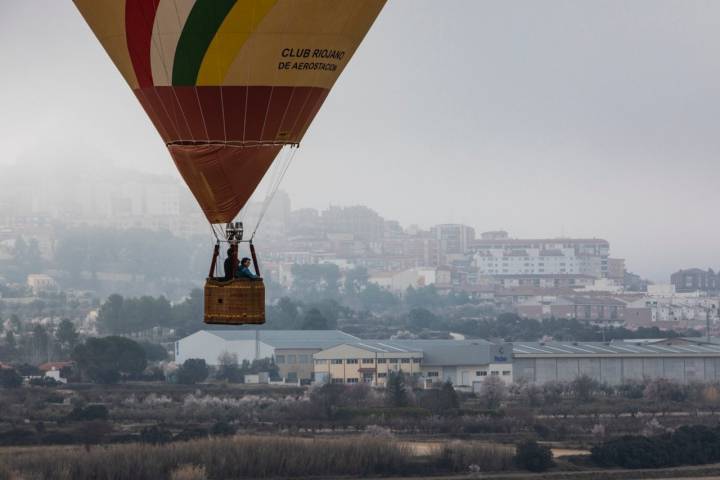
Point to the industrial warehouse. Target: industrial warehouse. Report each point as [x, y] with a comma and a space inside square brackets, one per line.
[333, 356]
[617, 362]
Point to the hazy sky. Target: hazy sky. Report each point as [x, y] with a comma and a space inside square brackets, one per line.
[594, 118]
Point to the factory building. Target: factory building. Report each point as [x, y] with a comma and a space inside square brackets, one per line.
[365, 361]
[465, 363]
[617, 362]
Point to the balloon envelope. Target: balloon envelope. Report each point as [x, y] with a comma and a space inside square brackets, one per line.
[228, 83]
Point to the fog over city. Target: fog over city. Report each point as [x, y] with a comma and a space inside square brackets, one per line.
[552, 118]
[494, 254]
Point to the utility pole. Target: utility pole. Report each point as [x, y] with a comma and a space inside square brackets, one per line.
[707, 320]
[707, 323]
[257, 344]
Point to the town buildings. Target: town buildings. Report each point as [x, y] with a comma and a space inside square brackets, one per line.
[581, 307]
[695, 279]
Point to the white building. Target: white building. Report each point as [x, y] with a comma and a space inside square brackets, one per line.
[254, 344]
[40, 282]
[498, 256]
[398, 282]
[688, 311]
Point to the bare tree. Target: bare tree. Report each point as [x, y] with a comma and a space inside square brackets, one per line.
[493, 392]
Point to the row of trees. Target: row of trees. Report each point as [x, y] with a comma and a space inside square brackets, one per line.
[313, 283]
[401, 393]
[150, 255]
[25, 258]
[119, 315]
[38, 344]
[585, 390]
[195, 370]
[515, 328]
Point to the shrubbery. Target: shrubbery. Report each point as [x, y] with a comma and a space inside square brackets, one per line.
[688, 445]
[534, 457]
[192, 371]
[9, 378]
[107, 359]
[89, 412]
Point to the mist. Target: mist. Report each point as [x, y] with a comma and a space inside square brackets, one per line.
[554, 118]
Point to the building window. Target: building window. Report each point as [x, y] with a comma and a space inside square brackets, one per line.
[506, 373]
[494, 373]
[292, 376]
[382, 375]
[351, 361]
[352, 380]
[280, 359]
[481, 373]
[303, 358]
[382, 360]
[336, 361]
[416, 360]
[393, 360]
[433, 374]
[320, 362]
[405, 360]
[292, 359]
[367, 360]
[337, 380]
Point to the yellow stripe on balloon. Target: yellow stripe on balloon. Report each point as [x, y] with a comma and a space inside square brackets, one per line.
[237, 27]
[106, 18]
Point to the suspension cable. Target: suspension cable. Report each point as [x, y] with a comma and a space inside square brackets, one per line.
[274, 185]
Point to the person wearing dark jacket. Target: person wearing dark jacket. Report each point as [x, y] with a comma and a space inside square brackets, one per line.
[228, 267]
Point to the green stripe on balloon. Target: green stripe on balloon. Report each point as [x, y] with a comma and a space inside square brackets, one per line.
[202, 24]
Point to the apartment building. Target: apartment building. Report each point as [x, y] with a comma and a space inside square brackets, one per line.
[695, 279]
[497, 254]
[582, 307]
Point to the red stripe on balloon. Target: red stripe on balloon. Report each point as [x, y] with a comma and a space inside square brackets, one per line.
[139, 22]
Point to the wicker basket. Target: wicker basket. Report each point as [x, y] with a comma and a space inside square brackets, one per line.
[236, 302]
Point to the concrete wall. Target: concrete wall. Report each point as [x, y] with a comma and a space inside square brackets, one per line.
[616, 370]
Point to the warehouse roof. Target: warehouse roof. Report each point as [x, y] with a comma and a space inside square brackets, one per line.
[384, 347]
[439, 352]
[583, 349]
[454, 352]
[288, 338]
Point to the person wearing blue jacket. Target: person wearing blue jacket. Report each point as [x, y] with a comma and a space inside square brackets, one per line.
[244, 270]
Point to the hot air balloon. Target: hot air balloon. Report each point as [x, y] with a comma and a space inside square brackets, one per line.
[229, 86]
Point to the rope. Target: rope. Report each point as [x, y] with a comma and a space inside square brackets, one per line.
[212, 227]
[273, 188]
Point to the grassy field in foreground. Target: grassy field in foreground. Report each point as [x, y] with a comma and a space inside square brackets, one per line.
[247, 457]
